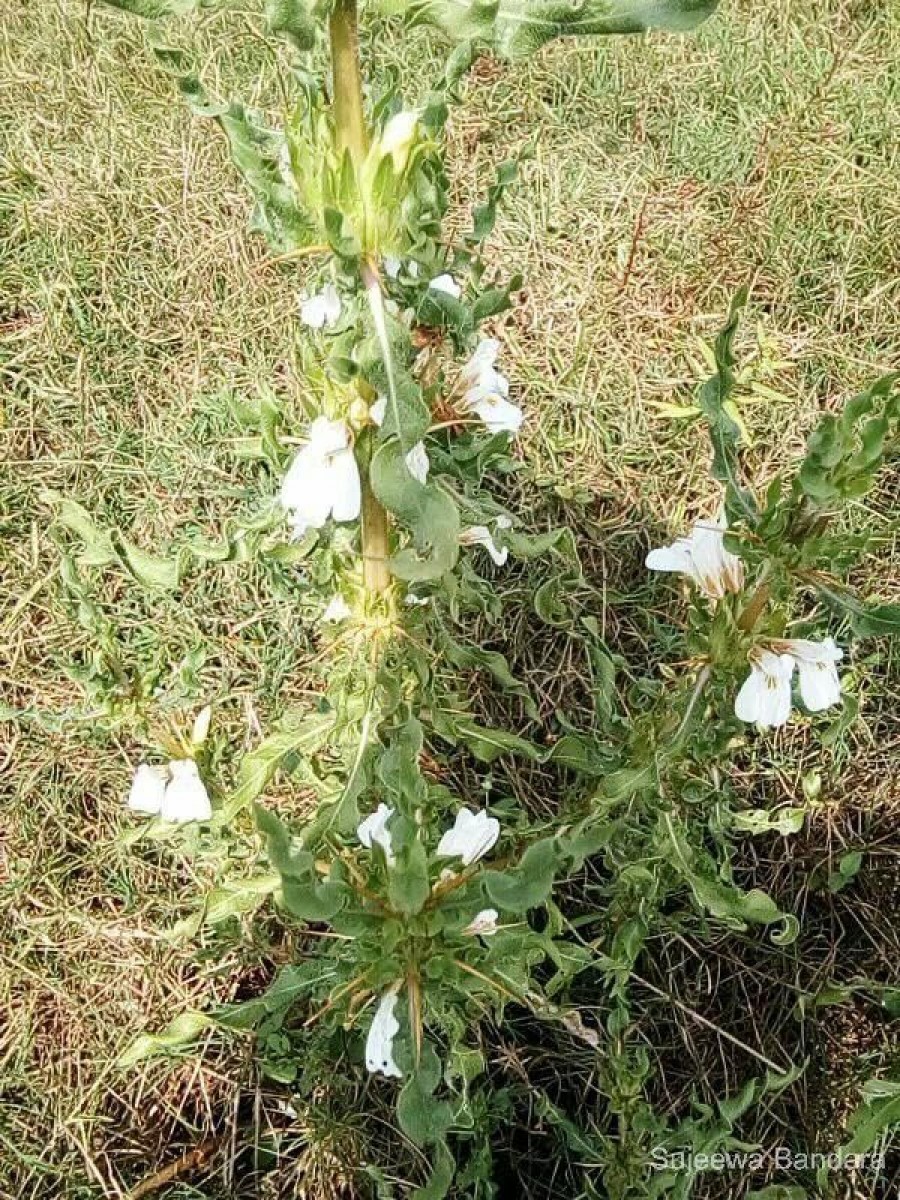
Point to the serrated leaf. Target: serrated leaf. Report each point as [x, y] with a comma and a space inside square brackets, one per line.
[470, 656]
[716, 401]
[846, 449]
[517, 28]
[302, 893]
[259, 765]
[99, 550]
[486, 744]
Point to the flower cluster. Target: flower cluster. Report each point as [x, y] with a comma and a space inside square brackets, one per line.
[764, 698]
[175, 792]
[469, 839]
[323, 482]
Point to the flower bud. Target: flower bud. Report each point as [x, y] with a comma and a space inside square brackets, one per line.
[398, 137]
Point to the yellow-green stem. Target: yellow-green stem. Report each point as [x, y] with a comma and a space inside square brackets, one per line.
[352, 135]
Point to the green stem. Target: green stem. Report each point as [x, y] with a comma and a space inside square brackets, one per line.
[351, 135]
[349, 115]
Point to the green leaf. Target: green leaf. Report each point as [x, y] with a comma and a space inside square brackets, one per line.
[303, 895]
[868, 620]
[99, 550]
[152, 570]
[180, 1032]
[469, 656]
[880, 1111]
[715, 401]
[428, 512]
[259, 765]
[517, 28]
[294, 20]
[486, 744]
[153, 10]
[528, 884]
[423, 1119]
[845, 451]
[408, 886]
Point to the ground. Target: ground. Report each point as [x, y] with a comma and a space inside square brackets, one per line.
[664, 173]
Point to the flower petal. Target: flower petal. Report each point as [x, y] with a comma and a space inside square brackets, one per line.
[321, 309]
[472, 835]
[373, 831]
[765, 696]
[186, 798]
[380, 1040]
[483, 924]
[447, 284]
[498, 414]
[344, 485]
[337, 609]
[417, 463]
[147, 789]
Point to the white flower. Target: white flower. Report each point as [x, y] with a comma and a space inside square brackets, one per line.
[414, 601]
[321, 309]
[417, 462]
[398, 137]
[392, 266]
[483, 924]
[380, 1041]
[702, 557]
[820, 685]
[323, 480]
[446, 284]
[374, 831]
[174, 792]
[186, 797]
[378, 410]
[337, 610]
[765, 695]
[480, 535]
[487, 390]
[147, 789]
[472, 835]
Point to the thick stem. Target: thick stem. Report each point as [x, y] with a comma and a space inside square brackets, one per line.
[352, 135]
[349, 116]
[375, 551]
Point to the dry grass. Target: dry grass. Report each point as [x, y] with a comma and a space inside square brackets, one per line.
[665, 174]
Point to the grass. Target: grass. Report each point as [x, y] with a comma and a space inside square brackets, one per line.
[665, 174]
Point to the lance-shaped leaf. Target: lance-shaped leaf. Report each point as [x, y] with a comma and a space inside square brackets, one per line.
[517, 28]
[304, 896]
[868, 619]
[716, 400]
[471, 657]
[258, 766]
[178, 1034]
